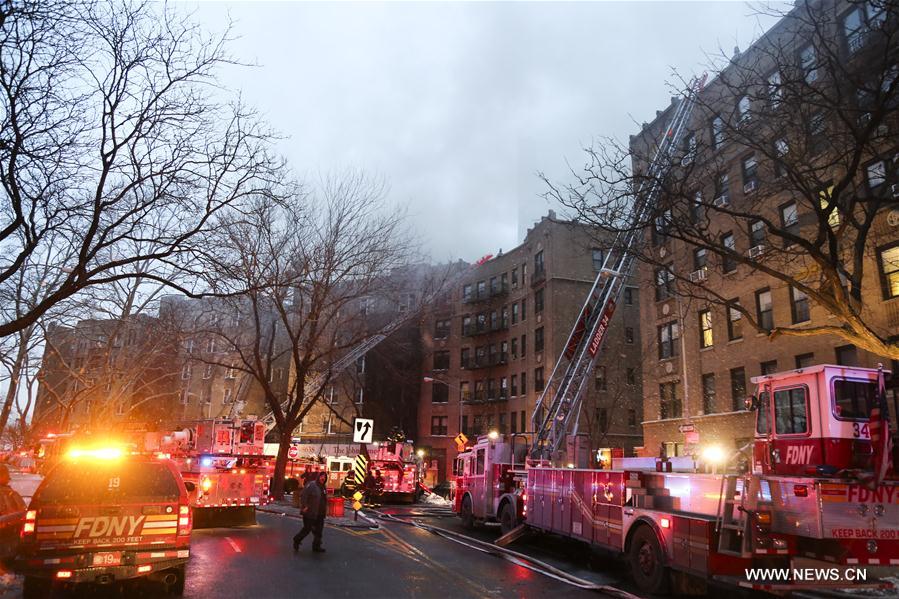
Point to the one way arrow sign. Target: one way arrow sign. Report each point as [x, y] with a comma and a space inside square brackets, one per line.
[363, 428]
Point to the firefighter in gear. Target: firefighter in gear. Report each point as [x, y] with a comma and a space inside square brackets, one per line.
[378, 486]
[369, 485]
[314, 507]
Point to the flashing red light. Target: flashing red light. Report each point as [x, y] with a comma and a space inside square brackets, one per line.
[800, 490]
[666, 523]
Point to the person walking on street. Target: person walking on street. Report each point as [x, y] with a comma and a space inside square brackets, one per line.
[314, 507]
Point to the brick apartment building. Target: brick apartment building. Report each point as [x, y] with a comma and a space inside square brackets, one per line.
[105, 371]
[489, 347]
[699, 358]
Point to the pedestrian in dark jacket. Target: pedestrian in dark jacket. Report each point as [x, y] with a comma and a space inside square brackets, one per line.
[313, 507]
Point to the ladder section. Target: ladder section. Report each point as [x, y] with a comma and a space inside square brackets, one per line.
[559, 403]
[734, 523]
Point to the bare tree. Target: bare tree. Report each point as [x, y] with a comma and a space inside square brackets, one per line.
[305, 264]
[809, 115]
[114, 152]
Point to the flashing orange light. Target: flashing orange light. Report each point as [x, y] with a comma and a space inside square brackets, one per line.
[100, 453]
[64, 574]
[143, 569]
[206, 484]
[162, 456]
[28, 527]
[764, 517]
[666, 523]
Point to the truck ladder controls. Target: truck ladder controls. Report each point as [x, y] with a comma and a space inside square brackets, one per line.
[559, 403]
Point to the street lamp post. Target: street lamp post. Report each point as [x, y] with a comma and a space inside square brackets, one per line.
[430, 379]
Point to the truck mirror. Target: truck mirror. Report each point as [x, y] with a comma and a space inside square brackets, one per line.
[190, 486]
[752, 403]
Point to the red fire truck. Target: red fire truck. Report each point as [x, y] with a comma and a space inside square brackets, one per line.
[804, 498]
[398, 469]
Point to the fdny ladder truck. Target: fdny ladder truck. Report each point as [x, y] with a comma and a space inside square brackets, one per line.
[799, 500]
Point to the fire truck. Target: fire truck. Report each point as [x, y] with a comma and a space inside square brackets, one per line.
[398, 469]
[223, 464]
[800, 500]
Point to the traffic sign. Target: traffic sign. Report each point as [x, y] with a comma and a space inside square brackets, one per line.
[357, 506]
[461, 440]
[363, 429]
[692, 438]
[293, 452]
[360, 467]
[687, 428]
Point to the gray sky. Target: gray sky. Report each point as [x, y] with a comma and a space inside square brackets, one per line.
[458, 105]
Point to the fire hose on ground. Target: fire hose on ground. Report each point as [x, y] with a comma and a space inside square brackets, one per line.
[514, 557]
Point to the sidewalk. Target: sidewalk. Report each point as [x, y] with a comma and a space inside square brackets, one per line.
[285, 507]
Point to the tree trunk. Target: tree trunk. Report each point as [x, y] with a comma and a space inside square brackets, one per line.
[13, 389]
[277, 489]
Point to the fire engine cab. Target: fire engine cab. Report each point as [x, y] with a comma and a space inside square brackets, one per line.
[804, 494]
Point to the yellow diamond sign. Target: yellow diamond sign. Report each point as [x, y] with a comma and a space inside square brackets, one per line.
[357, 496]
[357, 506]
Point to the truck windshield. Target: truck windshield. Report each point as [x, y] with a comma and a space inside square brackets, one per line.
[852, 399]
[105, 484]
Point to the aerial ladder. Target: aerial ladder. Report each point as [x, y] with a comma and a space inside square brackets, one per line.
[558, 407]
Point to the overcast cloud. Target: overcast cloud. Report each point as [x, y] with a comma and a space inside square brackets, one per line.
[458, 105]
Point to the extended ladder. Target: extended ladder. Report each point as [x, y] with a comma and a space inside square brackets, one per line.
[559, 403]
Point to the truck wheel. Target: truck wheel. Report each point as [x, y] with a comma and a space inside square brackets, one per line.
[647, 561]
[177, 587]
[507, 518]
[36, 588]
[467, 514]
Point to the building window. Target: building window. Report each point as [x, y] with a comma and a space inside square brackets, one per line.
[600, 378]
[210, 346]
[439, 393]
[515, 313]
[524, 313]
[799, 306]
[480, 356]
[876, 173]
[185, 371]
[514, 347]
[706, 336]
[185, 397]
[728, 264]
[360, 365]
[708, 393]
[503, 388]
[629, 335]
[465, 357]
[538, 264]
[479, 390]
[514, 385]
[491, 389]
[847, 355]
[503, 352]
[700, 259]
[438, 426]
[464, 391]
[632, 418]
[494, 320]
[513, 419]
[661, 228]
[669, 404]
[602, 419]
[538, 301]
[738, 389]
[743, 108]
[775, 91]
[482, 289]
[717, 132]
[502, 423]
[538, 340]
[734, 321]
[466, 293]
[781, 148]
[668, 335]
[524, 423]
[805, 360]
[514, 277]
[664, 283]
[466, 325]
[789, 218]
[750, 174]
[208, 370]
[722, 191]
[524, 387]
[628, 296]
[226, 398]
[756, 233]
[631, 376]
[598, 259]
[769, 367]
[524, 345]
[231, 372]
[764, 309]
[538, 379]
[504, 317]
[442, 329]
[808, 63]
[853, 29]
[889, 270]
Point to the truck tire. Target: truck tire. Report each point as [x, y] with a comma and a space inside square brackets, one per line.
[36, 588]
[507, 520]
[466, 513]
[646, 561]
[177, 588]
